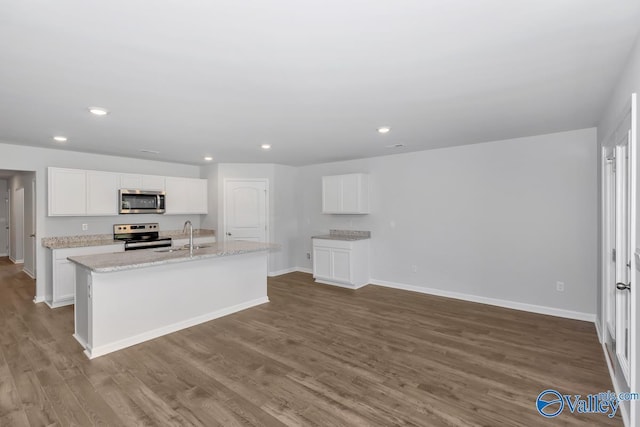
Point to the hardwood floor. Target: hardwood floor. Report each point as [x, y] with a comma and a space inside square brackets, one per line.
[315, 355]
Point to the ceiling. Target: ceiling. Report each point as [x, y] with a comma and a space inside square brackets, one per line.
[314, 79]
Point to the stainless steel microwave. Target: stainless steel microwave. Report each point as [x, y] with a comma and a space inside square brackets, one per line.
[140, 202]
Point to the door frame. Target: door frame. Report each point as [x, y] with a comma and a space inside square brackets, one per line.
[267, 212]
[630, 109]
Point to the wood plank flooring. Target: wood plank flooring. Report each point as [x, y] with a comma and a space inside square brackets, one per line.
[314, 356]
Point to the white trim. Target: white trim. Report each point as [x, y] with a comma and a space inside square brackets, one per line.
[3, 255]
[92, 353]
[16, 261]
[600, 336]
[304, 270]
[29, 273]
[551, 311]
[61, 303]
[38, 300]
[616, 388]
[281, 272]
[342, 285]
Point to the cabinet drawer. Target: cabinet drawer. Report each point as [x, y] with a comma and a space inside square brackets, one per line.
[336, 244]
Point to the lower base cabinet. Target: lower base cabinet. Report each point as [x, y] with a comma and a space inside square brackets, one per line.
[341, 262]
[61, 283]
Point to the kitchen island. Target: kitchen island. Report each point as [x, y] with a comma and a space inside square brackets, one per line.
[130, 297]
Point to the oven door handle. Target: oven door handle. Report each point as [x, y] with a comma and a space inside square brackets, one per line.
[146, 244]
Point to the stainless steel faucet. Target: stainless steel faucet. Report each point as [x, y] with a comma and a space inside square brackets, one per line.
[188, 224]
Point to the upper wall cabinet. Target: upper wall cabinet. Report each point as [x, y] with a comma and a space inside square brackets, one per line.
[75, 192]
[131, 181]
[345, 194]
[186, 196]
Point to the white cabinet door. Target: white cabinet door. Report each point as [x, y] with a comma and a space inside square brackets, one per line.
[65, 277]
[153, 183]
[345, 194]
[186, 196]
[102, 193]
[341, 265]
[198, 196]
[322, 262]
[331, 194]
[67, 195]
[129, 181]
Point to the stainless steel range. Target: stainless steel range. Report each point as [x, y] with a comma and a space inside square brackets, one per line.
[140, 236]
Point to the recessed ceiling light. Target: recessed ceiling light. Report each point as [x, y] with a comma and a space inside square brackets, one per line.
[208, 158]
[266, 146]
[60, 138]
[98, 111]
[144, 150]
[384, 129]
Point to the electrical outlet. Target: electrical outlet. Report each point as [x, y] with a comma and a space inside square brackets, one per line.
[308, 255]
[85, 227]
[560, 286]
[414, 268]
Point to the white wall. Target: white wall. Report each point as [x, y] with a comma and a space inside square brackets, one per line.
[21, 158]
[502, 220]
[4, 218]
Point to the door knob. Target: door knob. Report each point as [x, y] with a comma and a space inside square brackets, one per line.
[623, 286]
[32, 235]
[228, 234]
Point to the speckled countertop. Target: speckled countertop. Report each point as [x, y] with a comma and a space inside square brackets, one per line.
[65, 242]
[106, 263]
[85, 240]
[348, 235]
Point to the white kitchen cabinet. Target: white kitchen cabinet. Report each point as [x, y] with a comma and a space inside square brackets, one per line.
[102, 193]
[67, 195]
[77, 192]
[130, 181]
[60, 288]
[186, 196]
[341, 262]
[345, 194]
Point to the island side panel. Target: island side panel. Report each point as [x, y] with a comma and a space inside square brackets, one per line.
[132, 306]
[81, 307]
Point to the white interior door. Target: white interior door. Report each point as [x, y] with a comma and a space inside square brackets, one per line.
[4, 219]
[245, 210]
[623, 256]
[18, 224]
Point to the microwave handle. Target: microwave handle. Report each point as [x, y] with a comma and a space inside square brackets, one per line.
[158, 201]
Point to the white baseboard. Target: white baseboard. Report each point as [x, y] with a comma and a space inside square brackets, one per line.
[600, 336]
[29, 273]
[92, 353]
[16, 261]
[342, 285]
[60, 303]
[616, 388]
[551, 311]
[290, 270]
[281, 272]
[4, 254]
[37, 299]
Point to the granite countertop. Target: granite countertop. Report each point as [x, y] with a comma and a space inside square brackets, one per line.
[106, 263]
[86, 240]
[65, 242]
[347, 235]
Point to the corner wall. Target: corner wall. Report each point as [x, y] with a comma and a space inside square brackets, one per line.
[503, 220]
